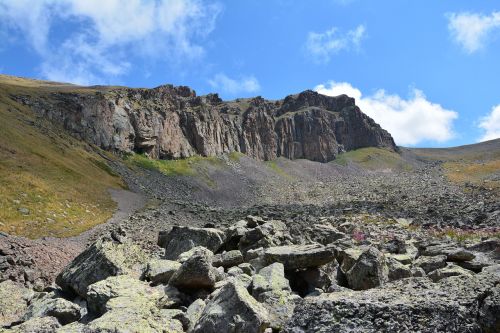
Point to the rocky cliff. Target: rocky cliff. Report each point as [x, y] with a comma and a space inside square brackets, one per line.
[173, 122]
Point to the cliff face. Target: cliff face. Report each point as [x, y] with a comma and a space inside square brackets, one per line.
[172, 122]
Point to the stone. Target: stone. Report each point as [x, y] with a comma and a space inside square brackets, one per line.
[197, 272]
[449, 270]
[228, 259]
[460, 255]
[37, 325]
[409, 305]
[247, 268]
[269, 234]
[232, 309]
[98, 262]
[369, 271]
[299, 256]
[160, 270]
[194, 312]
[270, 278]
[49, 305]
[182, 239]
[429, 264]
[395, 246]
[14, 300]
[397, 270]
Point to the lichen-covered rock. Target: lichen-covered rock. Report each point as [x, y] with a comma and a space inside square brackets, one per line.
[449, 270]
[270, 278]
[160, 270]
[182, 239]
[13, 302]
[232, 309]
[396, 270]
[122, 286]
[37, 325]
[100, 261]
[430, 263]
[194, 312]
[369, 271]
[299, 256]
[410, 305]
[49, 305]
[271, 233]
[228, 259]
[196, 272]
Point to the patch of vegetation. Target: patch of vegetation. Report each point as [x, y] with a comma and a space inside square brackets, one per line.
[50, 183]
[479, 173]
[462, 235]
[235, 156]
[273, 165]
[373, 159]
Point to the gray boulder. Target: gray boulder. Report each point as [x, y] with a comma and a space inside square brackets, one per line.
[100, 261]
[232, 309]
[449, 270]
[197, 272]
[228, 259]
[194, 312]
[182, 239]
[369, 271]
[160, 270]
[299, 256]
[272, 233]
[14, 300]
[37, 325]
[397, 270]
[49, 305]
[430, 263]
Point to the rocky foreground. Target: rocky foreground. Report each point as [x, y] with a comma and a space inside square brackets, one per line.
[260, 276]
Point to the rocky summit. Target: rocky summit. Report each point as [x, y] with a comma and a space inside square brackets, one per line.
[172, 122]
[158, 211]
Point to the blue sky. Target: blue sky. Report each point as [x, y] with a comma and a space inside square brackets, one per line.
[428, 71]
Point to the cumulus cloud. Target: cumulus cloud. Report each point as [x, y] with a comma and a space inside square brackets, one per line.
[322, 46]
[410, 121]
[491, 125]
[231, 86]
[471, 30]
[104, 32]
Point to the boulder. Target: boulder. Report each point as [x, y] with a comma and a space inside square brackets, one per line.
[49, 305]
[37, 325]
[397, 270]
[410, 305]
[232, 309]
[194, 312]
[299, 256]
[182, 239]
[459, 255]
[449, 270]
[272, 233]
[160, 270]
[369, 271]
[429, 264]
[196, 272]
[228, 259]
[270, 278]
[14, 300]
[100, 261]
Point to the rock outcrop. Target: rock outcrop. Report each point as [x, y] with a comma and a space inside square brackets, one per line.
[170, 122]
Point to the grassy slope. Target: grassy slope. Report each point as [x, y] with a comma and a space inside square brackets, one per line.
[373, 159]
[59, 180]
[478, 164]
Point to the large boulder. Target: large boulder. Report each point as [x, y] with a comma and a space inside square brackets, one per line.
[50, 305]
[228, 259]
[270, 278]
[197, 272]
[272, 233]
[410, 305]
[14, 300]
[232, 309]
[369, 271]
[449, 270]
[182, 239]
[100, 261]
[160, 270]
[299, 256]
[430, 263]
[37, 325]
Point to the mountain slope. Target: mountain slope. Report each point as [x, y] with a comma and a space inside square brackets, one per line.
[50, 183]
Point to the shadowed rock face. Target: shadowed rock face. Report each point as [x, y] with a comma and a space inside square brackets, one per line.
[172, 122]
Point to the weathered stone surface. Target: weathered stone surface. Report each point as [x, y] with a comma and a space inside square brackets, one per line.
[270, 278]
[232, 309]
[37, 325]
[49, 305]
[123, 287]
[410, 305]
[228, 259]
[428, 264]
[397, 270]
[182, 239]
[460, 255]
[13, 302]
[160, 270]
[299, 256]
[172, 122]
[101, 260]
[194, 312]
[449, 270]
[369, 271]
[271, 233]
[196, 272]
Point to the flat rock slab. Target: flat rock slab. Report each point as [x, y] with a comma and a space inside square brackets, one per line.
[183, 239]
[299, 256]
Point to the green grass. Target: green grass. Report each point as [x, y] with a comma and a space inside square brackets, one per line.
[235, 156]
[273, 165]
[373, 159]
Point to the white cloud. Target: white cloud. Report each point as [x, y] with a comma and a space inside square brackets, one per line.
[246, 84]
[491, 125]
[410, 121]
[471, 30]
[107, 33]
[322, 46]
